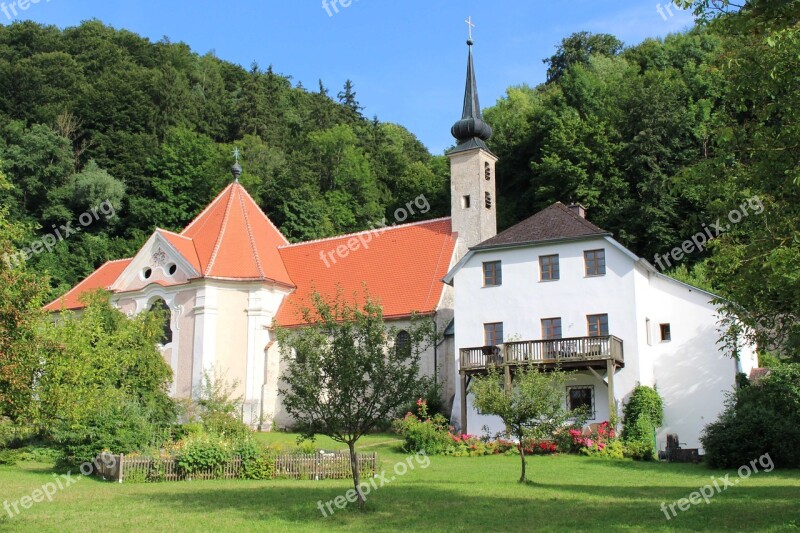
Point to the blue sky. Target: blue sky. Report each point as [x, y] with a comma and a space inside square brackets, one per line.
[407, 59]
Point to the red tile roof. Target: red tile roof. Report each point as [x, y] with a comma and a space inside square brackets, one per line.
[184, 246]
[402, 267]
[234, 239]
[102, 278]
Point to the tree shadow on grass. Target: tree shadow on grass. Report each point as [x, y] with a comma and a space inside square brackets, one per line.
[438, 508]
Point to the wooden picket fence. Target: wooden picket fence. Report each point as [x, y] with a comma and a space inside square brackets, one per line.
[315, 466]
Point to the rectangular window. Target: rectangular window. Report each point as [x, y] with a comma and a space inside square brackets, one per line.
[581, 396]
[492, 274]
[666, 333]
[551, 328]
[595, 262]
[465, 202]
[648, 331]
[493, 334]
[598, 325]
[548, 266]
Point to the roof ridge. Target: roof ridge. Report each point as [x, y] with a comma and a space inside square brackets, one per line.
[356, 234]
[174, 233]
[266, 217]
[221, 234]
[250, 236]
[207, 209]
[583, 220]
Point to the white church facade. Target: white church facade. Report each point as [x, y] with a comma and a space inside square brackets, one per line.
[230, 278]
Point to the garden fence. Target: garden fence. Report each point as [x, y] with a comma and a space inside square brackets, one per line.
[315, 466]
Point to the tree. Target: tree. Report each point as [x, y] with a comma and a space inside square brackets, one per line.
[21, 295]
[347, 97]
[345, 376]
[755, 162]
[578, 48]
[99, 360]
[533, 408]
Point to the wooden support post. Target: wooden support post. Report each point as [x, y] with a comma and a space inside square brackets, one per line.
[463, 402]
[611, 367]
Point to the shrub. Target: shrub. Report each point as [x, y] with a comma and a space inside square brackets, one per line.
[204, 452]
[123, 427]
[610, 450]
[258, 461]
[225, 426]
[644, 401]
[639, 451]
[641, 431]
[7, 432]
[9, 457]
[423, 433]
[758, 419]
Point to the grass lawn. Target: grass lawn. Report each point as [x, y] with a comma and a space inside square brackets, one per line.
[568, 493]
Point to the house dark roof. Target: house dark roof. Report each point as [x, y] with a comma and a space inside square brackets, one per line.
[553, 223]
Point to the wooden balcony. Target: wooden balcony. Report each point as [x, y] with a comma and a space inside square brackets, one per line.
[575, 352]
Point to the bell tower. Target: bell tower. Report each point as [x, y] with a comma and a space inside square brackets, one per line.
[473, 204]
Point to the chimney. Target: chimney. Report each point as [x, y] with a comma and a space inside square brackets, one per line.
[578, 209]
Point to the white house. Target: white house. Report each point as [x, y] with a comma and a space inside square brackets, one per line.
[555, 288]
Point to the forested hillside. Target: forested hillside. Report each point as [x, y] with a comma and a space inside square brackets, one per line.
[91, 113]
[659, 141]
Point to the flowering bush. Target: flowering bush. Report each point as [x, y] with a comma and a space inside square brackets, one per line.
[595, 444]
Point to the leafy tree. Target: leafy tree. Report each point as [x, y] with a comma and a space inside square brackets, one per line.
[99, 359]
[344, 374]
[578, 48]
[533, 408]
[756, 162]
[21, 295]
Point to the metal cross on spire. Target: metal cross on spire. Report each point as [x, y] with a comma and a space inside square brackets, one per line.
[471, 25]
[236, 154]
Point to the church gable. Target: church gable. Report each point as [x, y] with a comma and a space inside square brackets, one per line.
[159, 261]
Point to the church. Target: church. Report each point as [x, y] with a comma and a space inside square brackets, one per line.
[230, 277]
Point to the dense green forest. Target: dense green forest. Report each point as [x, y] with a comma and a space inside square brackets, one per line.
[659, 141]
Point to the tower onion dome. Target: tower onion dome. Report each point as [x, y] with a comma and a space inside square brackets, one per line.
[471, 131]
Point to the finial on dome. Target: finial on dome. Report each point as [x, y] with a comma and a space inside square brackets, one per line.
[236, 169]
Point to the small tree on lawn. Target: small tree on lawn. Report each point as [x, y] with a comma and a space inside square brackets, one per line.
[346, 374]
[533, 408]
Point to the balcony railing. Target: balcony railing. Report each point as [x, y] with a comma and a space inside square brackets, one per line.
[556, 351]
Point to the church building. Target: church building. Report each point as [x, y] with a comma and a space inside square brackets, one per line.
[230, 277]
